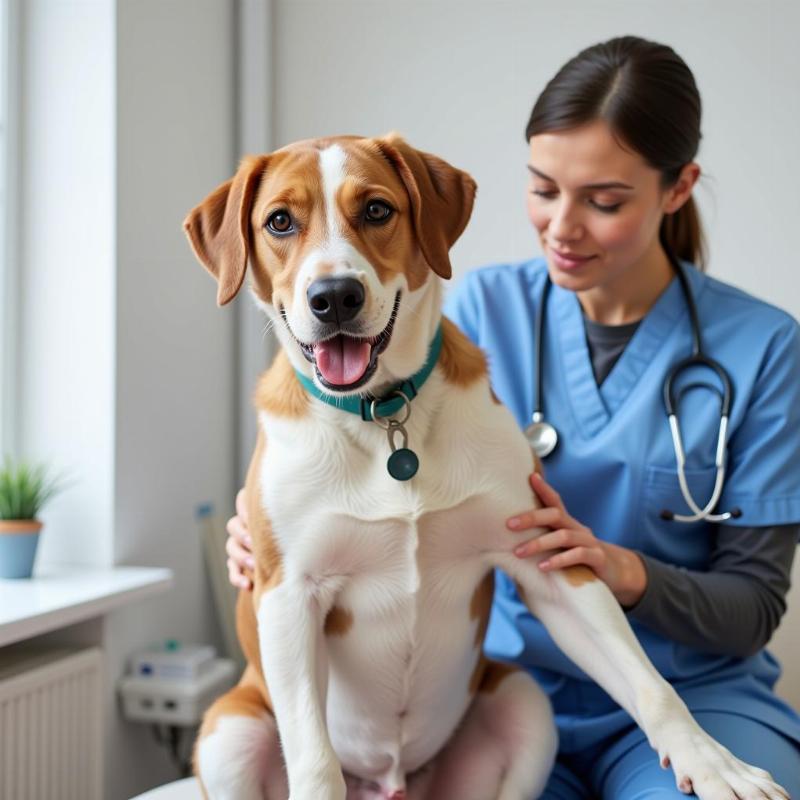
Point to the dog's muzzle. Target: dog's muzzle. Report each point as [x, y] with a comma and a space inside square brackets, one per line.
[343, 360]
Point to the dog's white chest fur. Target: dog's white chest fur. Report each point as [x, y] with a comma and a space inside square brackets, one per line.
[402, 560]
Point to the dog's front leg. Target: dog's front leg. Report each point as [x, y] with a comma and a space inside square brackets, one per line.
[292, 646]
[587, 623]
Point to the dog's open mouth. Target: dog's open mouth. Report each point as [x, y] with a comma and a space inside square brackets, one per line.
[345, 362]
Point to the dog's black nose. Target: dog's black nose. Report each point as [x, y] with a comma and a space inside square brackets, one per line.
[335, 299]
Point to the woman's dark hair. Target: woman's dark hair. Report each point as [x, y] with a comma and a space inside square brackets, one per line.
[648, 96]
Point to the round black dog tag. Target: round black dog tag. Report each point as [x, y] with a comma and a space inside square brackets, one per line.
[403, 464]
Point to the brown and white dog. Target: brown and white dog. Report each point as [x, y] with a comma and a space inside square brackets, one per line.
[371, 596]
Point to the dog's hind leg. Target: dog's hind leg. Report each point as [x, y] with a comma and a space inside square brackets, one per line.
[503, 749]
[237, 755]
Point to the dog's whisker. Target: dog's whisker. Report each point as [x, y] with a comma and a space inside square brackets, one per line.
[268, 328]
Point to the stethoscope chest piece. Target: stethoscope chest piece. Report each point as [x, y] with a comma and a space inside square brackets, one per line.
[541, 435]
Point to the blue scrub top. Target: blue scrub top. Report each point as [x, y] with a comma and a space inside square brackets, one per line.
[615, 464]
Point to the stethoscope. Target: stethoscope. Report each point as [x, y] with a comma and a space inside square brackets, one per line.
[543, 437]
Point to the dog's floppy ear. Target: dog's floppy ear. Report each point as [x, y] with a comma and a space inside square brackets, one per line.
[219, 228]
[441, 199]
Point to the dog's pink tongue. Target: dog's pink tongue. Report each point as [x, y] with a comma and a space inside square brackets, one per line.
[342, 360]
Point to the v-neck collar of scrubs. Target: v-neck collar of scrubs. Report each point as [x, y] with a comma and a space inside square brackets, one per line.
[593, 407]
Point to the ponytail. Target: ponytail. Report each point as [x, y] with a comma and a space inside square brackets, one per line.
[682, 236]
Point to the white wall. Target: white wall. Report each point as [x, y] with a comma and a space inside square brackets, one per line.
[459, 79]
[175, 349]
[175, 432]
[127, 369]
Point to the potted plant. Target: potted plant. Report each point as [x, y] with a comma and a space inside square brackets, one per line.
[24, 489]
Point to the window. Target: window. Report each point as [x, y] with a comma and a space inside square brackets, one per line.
[8, 275]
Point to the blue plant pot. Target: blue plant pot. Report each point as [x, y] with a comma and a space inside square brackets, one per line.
[18, 541]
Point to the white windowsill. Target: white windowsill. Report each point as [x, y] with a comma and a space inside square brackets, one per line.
[58, 596]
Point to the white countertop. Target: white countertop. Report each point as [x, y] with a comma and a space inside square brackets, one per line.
[58, 596]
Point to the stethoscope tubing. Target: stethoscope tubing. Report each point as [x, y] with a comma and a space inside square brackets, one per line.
[544, 437]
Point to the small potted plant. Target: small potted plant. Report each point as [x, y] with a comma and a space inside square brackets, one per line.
[24, 489]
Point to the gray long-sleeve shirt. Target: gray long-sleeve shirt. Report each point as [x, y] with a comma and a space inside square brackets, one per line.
[734, 606]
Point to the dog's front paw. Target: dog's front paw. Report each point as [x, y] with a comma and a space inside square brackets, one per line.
[703, 766]
[318, 783]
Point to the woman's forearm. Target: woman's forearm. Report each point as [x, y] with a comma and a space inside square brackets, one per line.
[735, 606]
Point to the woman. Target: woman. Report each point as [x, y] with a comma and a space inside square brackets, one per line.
[613, 139]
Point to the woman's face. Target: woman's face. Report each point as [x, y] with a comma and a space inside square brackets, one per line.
[597, 207]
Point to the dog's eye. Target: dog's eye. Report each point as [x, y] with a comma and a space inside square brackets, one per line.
[377, 211]
[280, 222]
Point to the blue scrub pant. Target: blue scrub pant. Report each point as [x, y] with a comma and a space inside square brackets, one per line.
[629, 770]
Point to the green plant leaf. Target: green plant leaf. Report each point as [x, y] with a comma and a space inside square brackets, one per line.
[25, 488]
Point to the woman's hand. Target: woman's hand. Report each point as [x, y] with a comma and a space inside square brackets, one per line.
[572, 543]
[239, 546]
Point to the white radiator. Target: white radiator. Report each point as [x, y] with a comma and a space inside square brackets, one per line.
[51, 743]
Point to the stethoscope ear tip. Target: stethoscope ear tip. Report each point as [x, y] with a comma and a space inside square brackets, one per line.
[667, 515]
[736, 513]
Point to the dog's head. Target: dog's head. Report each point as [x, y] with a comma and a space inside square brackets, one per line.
[343, 236]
